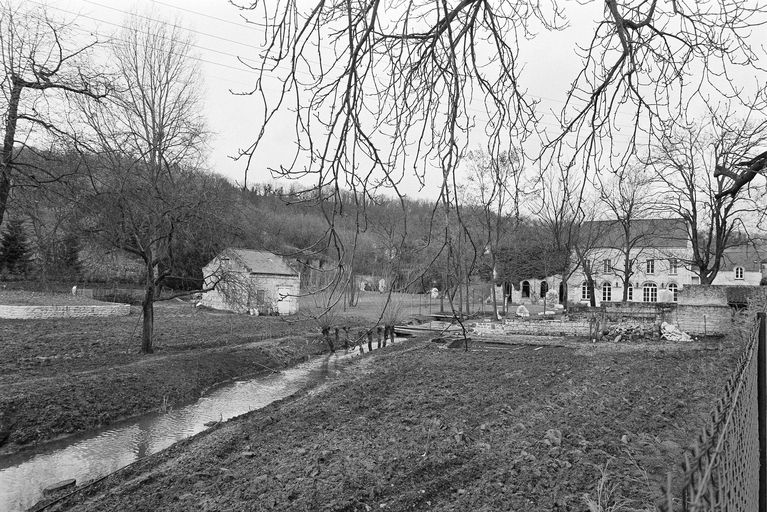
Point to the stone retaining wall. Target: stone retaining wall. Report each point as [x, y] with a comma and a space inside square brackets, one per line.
[703, 295]
[37, 312]
[701, 320]
[535, 327]
[697, 320]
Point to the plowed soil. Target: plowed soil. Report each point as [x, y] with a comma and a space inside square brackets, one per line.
[417, 427]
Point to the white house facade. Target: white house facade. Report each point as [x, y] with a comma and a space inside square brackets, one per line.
[658, 256]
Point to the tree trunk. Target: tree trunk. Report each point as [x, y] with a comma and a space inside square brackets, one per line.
[370, 340]
[468, 303]
[328, 339]
[706, 275]
[380, 335]
[492, 287]
[626, 277]
[6, 158]
[353, 291]
[147, 309]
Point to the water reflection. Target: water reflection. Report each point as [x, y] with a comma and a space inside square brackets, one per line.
[92, 455]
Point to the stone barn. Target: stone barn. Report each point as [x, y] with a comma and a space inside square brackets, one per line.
[249, 281]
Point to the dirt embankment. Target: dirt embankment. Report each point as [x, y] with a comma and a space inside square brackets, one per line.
[417, 427]
[59, 377]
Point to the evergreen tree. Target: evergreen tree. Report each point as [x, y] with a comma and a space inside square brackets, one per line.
[14, 248]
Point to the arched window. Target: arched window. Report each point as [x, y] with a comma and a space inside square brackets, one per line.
[525, 289]
[544, 288]
[585, 291]
[650, 292]
[738, 272]
[673, 288]
[607, 291]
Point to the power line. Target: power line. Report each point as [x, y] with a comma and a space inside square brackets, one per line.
[199, 59]
[239, 69]
[128, 13]
[247, 45]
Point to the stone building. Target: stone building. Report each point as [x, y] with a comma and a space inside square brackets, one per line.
[660, 253]
[740, 266]
[245, 280]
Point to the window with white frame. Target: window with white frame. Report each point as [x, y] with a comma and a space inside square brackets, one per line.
[738, 272]
[585, 291]
[631, 292]
[650, 267]
[673, 266]
[607, 265]
[607, 291]
[673, 288]
[650, 292]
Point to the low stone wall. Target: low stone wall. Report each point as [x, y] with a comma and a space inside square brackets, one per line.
[703, 295]
[643, 312]
[533, 327]
[37, 312]
[701, 320]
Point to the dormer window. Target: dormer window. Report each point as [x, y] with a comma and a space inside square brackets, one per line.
[738, 272]
[650, 267]
[673, 266]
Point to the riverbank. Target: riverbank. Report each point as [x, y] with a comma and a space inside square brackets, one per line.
[422, 427]
[63, 376]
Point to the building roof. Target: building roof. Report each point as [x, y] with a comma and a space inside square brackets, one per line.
[744, 256]
[650, 233]
[259, 262]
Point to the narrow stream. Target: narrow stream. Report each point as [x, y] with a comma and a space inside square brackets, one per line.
[24, 475]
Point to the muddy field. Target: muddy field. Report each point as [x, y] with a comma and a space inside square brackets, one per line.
[62, 376]
[417, 427]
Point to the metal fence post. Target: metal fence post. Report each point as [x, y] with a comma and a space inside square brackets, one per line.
[761, 381]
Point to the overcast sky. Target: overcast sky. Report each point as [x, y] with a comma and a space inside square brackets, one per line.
[221, 35]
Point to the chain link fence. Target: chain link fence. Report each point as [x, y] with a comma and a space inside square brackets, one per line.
[722, 469]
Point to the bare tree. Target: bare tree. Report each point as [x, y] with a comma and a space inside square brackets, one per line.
[497, 190]
[146, 195]
[42, 72]
[629, 200]
[717, 217]
[561, 195]
[589, 246]
[380, 89]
